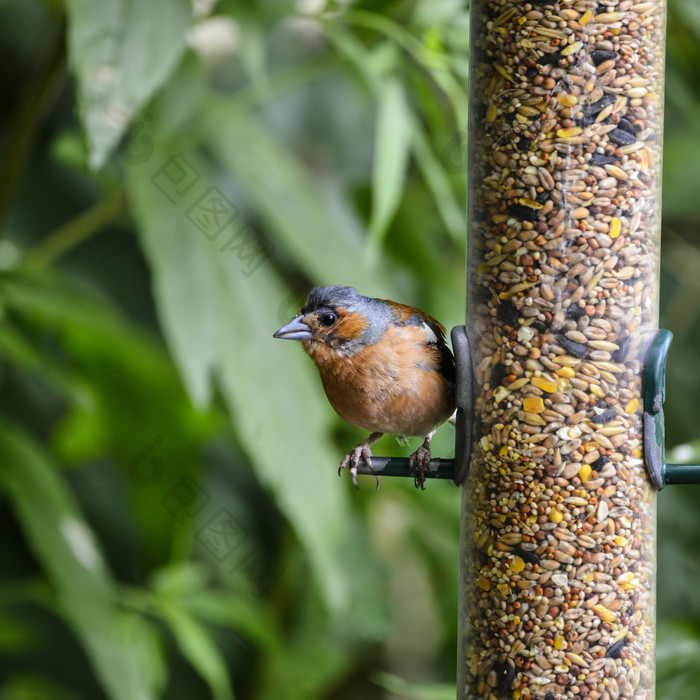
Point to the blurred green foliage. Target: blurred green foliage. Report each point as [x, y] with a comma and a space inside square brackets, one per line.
[172, 522]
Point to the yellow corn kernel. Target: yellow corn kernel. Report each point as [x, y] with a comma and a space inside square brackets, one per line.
[517, 564]
[603, 613]
[584, 473]
[559, 642]
[533, 404]
[545, 384]
[484, 584]
[615, 225]
[555, 516]
[620, 541]
[632, 406]
[566, 372]
[586, 18]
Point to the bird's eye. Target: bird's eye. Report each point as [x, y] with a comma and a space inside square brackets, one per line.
[328, 319]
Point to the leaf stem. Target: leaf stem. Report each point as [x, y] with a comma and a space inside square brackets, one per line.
[76, 231]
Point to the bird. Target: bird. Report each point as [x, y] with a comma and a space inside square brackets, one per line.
[385, 368]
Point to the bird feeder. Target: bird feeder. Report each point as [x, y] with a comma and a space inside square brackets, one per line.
[559, 506]
[561, 366]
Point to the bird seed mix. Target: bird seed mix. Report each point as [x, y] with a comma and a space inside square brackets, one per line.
[559, 515]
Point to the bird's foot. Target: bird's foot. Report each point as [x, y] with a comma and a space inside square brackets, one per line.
[352, 458]
[352, 461]
[420, 461]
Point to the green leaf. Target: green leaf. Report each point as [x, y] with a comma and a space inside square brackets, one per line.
[151, 424]
[322, 241]
[349, 47]
[185, 585]
[34, 686]
[689, 11]
[17, 348]
[390, 165]
[677, 654]
[120, 645]
[197, 646]
[681, 172]
[121, 52]
[414, 691]
[247, 616]
[453, 217]
[455, 92]
[253, 50]
[17, 634]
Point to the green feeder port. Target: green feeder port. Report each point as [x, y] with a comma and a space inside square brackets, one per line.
[654, 389]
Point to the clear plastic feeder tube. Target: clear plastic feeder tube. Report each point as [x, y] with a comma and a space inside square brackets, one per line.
[558, 513]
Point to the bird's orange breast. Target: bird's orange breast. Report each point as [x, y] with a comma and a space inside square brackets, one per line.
[392, 386]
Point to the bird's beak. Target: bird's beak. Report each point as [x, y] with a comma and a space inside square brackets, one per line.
[296, 329]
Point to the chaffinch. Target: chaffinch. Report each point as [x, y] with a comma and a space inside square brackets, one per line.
[385, 368]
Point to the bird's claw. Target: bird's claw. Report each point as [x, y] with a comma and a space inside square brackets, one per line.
[420, 460]
[352, 459]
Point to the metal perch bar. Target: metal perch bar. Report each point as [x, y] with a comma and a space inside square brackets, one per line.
[398, 466]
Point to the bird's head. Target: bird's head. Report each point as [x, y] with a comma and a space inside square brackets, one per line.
[340, 319]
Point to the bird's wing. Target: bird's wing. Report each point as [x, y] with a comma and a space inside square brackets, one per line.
[434, 334]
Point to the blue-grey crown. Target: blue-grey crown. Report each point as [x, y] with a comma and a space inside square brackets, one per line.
[331, 297]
